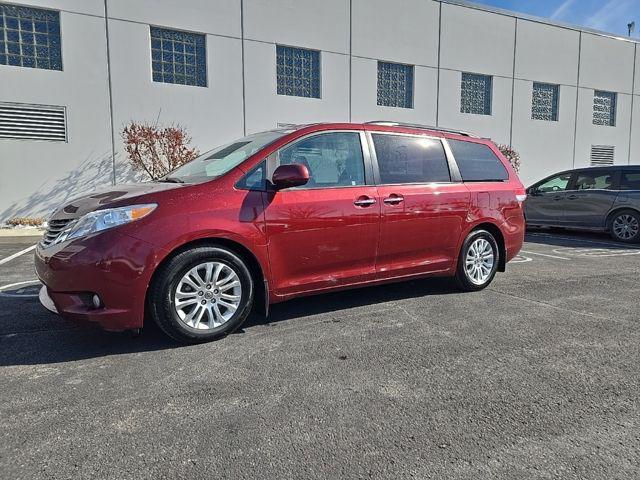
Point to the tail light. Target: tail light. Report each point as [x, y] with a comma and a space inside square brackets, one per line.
[521, 195]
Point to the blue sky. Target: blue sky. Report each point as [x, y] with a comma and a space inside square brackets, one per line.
[608, 15]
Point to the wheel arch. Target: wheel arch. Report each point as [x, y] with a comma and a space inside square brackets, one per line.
[261, 303]
[494, 230]
[618, 209]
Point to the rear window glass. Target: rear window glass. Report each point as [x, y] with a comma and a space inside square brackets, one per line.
[630, 180]
[477, 162]
[404, 159]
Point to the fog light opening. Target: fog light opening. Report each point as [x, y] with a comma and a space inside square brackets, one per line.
[96, 300]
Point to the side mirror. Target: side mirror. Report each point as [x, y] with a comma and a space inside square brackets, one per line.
[287, 176]
[532, 191]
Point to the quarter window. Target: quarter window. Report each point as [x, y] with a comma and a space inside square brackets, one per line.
[604, 108]
[404, 159]
[630, 180]
[477, 162]
[298, 72]
[555, 184]
[333, 159]
[178, 57]
[30, 37]
[395, 85]
[595, 181]
[475, 95]
[544, 105]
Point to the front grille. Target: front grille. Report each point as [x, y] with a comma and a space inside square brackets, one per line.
[54, 229]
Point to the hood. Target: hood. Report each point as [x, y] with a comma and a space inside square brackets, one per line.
[100, 199]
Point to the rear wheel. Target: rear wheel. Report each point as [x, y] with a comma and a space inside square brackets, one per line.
[478, 261]
[201, 294]
[624, 226]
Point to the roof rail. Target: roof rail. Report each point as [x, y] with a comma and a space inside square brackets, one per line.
[421, 127]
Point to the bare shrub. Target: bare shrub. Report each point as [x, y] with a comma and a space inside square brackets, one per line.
[157, 150]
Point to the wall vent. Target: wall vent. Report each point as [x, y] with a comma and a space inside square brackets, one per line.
[602, 155]
[33, 122]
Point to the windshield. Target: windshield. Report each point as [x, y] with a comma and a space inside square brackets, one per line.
[219, 161]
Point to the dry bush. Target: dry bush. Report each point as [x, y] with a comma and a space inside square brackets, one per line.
[25, 221]
[157, 150]
[511, 155]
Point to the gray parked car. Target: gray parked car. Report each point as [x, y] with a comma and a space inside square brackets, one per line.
[597, 198]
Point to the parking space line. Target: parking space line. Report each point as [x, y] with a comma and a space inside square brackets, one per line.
[16, 255]
[544, 255]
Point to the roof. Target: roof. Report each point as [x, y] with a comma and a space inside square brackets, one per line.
[533, 18]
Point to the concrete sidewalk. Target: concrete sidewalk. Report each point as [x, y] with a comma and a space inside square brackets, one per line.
[20, 236]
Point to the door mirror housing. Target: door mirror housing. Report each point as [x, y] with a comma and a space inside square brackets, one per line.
[532, 191]
[288, 176]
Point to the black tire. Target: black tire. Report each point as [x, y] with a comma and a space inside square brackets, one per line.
[161, 298]
[463, 279]
[619, 235]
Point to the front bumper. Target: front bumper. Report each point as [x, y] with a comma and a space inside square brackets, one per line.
[116, 267]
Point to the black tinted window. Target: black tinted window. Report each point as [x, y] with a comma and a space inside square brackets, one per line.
[403, 159]
[630, 180]
[477, 162]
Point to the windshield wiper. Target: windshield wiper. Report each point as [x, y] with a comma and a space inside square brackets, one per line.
[171, 180]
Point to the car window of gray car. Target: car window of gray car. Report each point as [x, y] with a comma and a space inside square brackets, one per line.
[630, 180]
[594, 180]
[555, 184]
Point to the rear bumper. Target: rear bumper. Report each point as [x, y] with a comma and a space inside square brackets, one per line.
[513, 229]
[115, 267]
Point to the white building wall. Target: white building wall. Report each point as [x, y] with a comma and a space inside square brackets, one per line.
[441, 39]
[35, 175]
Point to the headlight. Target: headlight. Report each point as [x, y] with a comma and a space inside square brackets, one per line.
[100, 220]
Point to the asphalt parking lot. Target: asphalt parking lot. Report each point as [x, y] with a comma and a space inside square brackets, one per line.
[536, 377]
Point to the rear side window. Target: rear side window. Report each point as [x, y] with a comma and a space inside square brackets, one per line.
[630, 180]
[477, 162]
[404, 159]
[595, 180]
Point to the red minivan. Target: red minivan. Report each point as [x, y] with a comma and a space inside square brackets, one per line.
[281, 214]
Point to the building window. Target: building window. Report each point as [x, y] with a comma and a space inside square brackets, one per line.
[476, 92]
[298, 72]
[604, 108]
[178, 57]
[395, 85]
[544, 104]
[30, 37]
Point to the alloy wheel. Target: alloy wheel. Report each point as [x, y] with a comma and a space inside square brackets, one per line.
[626, 226]
[479, 261]
[208, 295]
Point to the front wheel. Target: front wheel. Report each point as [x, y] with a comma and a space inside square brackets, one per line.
[201, 294]
[624, 226]
[478, 261]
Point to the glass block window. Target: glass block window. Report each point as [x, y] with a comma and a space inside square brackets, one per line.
[604, 108]
[30, 37]
[395, 85]
[298, 72]
[178, 57]
[544, 105]
[476, 92]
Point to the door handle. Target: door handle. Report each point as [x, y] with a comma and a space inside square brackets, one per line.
[572, 197]
[364, 202]
[394, 199]
[557, 198]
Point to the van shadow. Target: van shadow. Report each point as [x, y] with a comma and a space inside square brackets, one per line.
[575, 239]
[50, 340]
